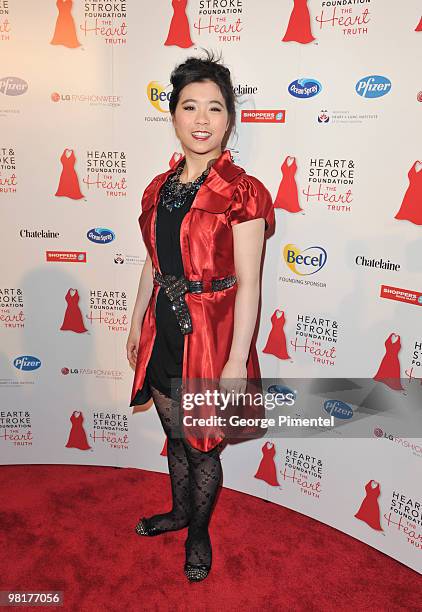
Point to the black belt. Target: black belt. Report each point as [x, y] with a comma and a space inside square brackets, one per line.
[175, 289]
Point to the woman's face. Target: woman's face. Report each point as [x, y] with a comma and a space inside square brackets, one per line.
[201, 118]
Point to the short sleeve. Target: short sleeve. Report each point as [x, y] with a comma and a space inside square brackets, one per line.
[148, 196]
[251, 200]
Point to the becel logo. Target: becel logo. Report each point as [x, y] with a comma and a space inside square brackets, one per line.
[338, 409]
[101, 235]
[373, 86]
[27, 363]
[13, 86]
[159, 96]
[304, 265]
[304, 88]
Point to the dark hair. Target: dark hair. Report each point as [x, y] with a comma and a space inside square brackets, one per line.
[196, 69]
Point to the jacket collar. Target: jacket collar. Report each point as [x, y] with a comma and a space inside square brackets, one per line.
[215, 192]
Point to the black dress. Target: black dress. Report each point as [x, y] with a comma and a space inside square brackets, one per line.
[166, 361]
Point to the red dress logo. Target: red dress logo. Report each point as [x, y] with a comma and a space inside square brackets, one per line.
[389, 370]
[276, 343]
[69, 183]
[369, 511]
[419, 26]
[179, 32]
[73, 320]
[77, 436]
[411, 208]
[287, 195]
[267, 470]
[299, 27]
[65, 32]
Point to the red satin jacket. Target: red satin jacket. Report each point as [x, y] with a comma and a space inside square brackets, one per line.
[227, 196]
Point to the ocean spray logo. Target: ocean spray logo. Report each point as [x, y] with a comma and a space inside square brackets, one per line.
[338, 409]
[13, 86]
[373, 86]
[27, 363]
[281, 392]
[304, 88]
[306, 262]
[100, 235]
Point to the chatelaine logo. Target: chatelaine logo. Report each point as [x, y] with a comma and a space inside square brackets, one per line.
[13, 86]
[159, 96]
[101, 235]
[306, 262]
[373, 86]
[27, 363]
[338, 409]
[304, 88]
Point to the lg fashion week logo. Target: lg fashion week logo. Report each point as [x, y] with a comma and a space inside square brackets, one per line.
[103, 21]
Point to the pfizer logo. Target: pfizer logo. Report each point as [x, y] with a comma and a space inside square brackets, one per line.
[304, 88]
[13, 86]
[338, 409]
[26, 363]
[373, 86]
[101, 235]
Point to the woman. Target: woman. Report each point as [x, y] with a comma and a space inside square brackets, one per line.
[197, 303]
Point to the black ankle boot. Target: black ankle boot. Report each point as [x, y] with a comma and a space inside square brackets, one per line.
[195, 572]
[144, 529]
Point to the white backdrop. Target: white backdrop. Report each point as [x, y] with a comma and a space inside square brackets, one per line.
[94, 91]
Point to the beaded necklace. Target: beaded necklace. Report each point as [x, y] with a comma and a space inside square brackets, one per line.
[175, 194]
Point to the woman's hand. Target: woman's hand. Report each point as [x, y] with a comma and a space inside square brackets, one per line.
[234, 376]
[132, 346]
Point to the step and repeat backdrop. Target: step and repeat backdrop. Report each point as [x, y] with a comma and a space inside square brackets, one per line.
[328, 117]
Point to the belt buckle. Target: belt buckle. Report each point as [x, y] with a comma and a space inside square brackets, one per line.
[177, 288]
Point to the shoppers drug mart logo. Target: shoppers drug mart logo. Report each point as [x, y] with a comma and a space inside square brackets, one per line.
[13, 86]
[101, 235]
[27, 363]
[306, 262]
[373, 86]
[338, 409]
[304, 88]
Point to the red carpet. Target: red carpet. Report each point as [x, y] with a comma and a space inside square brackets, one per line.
[71, 528]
